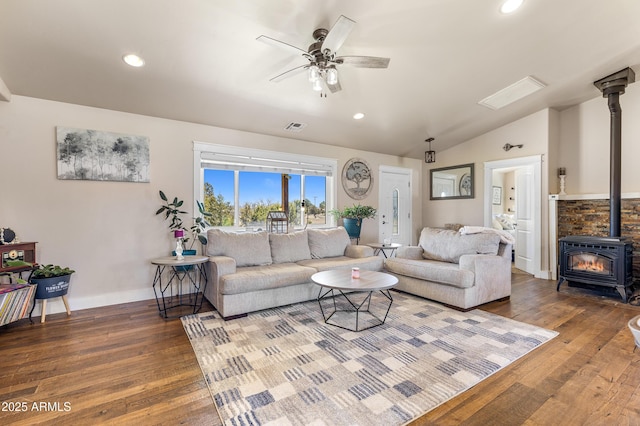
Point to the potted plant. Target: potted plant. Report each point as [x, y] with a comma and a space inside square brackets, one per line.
[200, 223]
[352, 218]
[172, 211]
[52, 281]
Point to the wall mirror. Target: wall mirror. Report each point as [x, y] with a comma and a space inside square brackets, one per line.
[453, 182]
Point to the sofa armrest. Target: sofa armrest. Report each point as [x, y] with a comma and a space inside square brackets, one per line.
[492, 274]
[358, 251]
[474, 262]
[410, 252]
[221, 265]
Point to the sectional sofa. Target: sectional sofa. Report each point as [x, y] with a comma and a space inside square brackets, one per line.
[252, 271]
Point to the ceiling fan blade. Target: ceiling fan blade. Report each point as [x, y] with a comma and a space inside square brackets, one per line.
[290, 73]
[282, 45]
[338, 34]
[363, 61]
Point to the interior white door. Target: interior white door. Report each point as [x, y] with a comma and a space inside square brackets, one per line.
[394, 212]
[525, 232]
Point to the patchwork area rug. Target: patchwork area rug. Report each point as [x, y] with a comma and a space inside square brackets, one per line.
[285, 366]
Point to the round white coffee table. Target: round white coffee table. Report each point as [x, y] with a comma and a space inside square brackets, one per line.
[354, 297]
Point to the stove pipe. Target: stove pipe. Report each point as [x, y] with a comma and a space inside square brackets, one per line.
[612, 87]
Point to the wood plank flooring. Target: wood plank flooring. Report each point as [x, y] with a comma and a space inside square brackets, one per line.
[124, 364]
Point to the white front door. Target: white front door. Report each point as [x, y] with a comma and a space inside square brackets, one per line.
[394, 212]
[525, 229]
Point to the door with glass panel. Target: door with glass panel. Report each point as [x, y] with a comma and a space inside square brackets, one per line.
[394, 212]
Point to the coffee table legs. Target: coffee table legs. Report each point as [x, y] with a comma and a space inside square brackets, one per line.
[361, 309]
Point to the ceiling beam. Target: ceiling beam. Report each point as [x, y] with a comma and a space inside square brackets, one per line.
[5, 94]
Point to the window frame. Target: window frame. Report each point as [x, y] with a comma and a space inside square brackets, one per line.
[272, 161]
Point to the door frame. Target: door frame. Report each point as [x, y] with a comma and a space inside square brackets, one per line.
[402, 171]
[535, 161]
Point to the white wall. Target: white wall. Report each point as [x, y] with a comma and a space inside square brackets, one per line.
[584, 147]
[531, 131]
[107, 231]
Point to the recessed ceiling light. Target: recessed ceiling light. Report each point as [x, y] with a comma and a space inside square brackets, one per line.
[133, 60]
[358, 116]
[510, 6]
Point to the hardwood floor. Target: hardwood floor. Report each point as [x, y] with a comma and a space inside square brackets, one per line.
[125, 365]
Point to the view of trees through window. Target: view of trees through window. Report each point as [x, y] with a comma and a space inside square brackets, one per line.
[259, 193]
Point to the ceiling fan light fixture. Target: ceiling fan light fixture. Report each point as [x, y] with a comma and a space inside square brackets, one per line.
[314, 73]
[332, 75]
[317, 86]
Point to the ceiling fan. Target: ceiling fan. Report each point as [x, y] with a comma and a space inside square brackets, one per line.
[322, 57]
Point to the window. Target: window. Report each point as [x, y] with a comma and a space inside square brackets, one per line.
[240, 186]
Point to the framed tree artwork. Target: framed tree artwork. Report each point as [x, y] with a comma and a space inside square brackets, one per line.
[97, 155]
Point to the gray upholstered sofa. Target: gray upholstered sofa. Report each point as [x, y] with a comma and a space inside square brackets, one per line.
[462, 271]
[256, 270]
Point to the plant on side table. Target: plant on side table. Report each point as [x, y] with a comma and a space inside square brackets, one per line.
[352, 218]
[172, 210]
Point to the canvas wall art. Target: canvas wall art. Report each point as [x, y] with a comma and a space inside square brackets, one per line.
[97, 155]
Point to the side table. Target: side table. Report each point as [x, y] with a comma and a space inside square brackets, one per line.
[379, 247]
[179, 286]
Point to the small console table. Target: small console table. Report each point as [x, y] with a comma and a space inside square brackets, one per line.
[182, 284]
[379, 247]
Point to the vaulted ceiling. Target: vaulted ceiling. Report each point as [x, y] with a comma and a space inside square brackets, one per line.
[204, 65]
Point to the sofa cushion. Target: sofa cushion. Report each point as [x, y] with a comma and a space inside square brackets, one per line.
[446, 245]
[372, 263]
[328, 242]
[431, 270]
[248, 248]
[255, 278]
[289, 247]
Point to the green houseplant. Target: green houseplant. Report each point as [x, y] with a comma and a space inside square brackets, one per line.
[172, 210]
[52, 280]
[352, 218]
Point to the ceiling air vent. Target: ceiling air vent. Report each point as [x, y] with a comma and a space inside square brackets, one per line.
[295, 127]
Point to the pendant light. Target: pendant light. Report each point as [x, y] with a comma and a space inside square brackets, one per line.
[430, 155]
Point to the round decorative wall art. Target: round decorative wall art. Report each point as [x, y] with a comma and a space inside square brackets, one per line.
[356, 178]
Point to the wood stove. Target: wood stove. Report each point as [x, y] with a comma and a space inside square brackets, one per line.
[602, 261]
[597, 261]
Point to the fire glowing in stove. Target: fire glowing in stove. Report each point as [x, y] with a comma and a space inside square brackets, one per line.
[590, 263]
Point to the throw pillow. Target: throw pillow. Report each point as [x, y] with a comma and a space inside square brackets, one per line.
[247, 248]
[289, 247]
[328, 242]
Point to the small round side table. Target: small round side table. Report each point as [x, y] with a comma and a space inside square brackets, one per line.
[379, 247]
[183, 284]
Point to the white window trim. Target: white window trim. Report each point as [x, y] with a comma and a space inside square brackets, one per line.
[252, 157]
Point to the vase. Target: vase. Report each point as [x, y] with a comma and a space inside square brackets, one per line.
[185, 252]
[353, 226]
[634, 326]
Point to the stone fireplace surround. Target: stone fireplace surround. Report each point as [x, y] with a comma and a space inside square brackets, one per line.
[588, 214]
